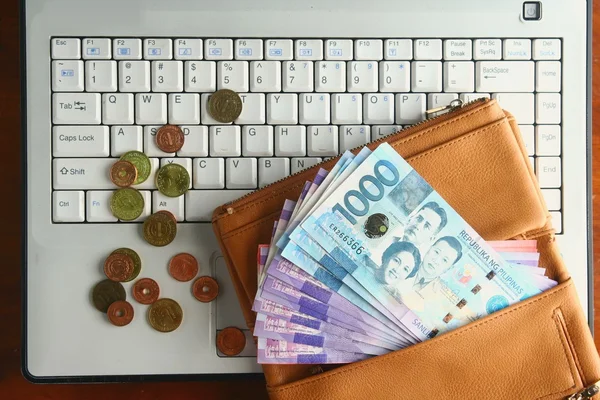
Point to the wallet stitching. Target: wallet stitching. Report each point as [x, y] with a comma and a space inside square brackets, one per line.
[375, 361]
[560, 316]
[254, 224]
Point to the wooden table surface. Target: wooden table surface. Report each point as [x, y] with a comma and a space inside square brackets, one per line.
[12, 383]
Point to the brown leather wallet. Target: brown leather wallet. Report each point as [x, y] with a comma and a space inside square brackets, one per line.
[540, 348]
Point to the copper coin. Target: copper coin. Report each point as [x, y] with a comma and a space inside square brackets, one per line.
[146, 291]
[169, 213]
[123, 173]
[120, 313]
[170, 138]
[231, 341]
[205, 289]
[118, 267]
[183, 267]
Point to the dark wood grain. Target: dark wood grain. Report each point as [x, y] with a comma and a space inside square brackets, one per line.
[12, 383]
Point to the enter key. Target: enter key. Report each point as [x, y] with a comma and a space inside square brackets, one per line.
[505, 76]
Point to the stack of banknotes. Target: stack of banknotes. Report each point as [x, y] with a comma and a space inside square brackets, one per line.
[371, 259]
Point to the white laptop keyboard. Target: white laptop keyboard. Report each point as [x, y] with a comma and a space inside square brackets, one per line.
[303, 100]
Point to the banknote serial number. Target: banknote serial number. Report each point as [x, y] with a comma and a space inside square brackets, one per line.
[347, 239]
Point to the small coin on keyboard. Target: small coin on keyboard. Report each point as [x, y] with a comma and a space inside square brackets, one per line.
[120, 313]
[137, 262]
[225, 105]
[127, 204]
[231, 341]
[107, 292]
[159, 229]
[165, 315]
[142, 165]
[172, 180]
[146, 291]
[118, 267]
[123, 173]
[183, 267]
[205, 289]
[170, 138]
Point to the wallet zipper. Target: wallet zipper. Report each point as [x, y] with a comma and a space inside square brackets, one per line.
[586, 393]
[454, 106]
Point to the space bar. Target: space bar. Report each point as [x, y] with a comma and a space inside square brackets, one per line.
[200, 204]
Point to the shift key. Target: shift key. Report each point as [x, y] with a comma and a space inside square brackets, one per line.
[505, 76]
[82, 173]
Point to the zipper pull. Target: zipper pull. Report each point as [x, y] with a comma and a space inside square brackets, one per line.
[454, 104]
[586, 393]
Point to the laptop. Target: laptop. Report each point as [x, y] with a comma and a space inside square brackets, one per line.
[316, 78]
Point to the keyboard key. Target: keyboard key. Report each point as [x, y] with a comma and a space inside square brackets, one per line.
[459, 76]
[428, 49]
[150, 147]
[134, 76]
[330, 76]
[117, 108]
[504, 76]
[517, 49]
[381, 131]
[82, 173]
[298, 76]
[548, 110]
[352, 136]
[278, 49]
[546, 49]
[253, 110]
[66, 49]
[200, 76]
[196, 141]
[547, 76]
[547, 140]
[436, 100]
[398, 49]
[158, 49]
[548, 172]
[518, 104]
[101, 76]
[175, 205]
[67, 76]
[338, 49]
[458, 49]
[265, 76]
[209, 173]
[218, 49]
[365, 49]
[314, 108]
[200, 204]
[272, 169]
[68, 206]
[151, 108]
[487, 49]
[468, 97]
[346, 108]
[127, 49]
[150, 183]
[241, 173]
[309, 49]
[98, 206]
[556, 221]
[394, 76]
[97, 49]
[184, 162]
[298, 164]
[257, 141]
[378, 108]
[184, 108]
[248, 49]
[188, 49]
[225, 141]
[205, 116]
[362, 76]
[529, 138]
[282, 108]
[76, 108]
[124, 139]
[232, 75]
[80, 141]
[410, 108]
[290, 140]
[552, 198]
[323, 141]
[427, 76]
[167, 76]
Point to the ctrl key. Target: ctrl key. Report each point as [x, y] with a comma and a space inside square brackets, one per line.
[68, 206]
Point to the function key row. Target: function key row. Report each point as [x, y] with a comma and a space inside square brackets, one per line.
[306, 49]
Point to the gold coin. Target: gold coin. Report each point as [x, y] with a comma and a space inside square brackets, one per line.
[137, 262]
[225, 105]
[172, 180]
[165, 315]
[159, 229]
[127, 204]
[141, 163]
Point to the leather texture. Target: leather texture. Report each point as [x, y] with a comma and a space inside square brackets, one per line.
[541, 348]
